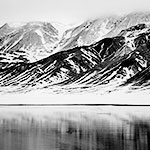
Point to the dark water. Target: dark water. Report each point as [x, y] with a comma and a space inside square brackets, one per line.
[74, 128]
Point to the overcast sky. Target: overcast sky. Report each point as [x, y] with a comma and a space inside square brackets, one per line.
[65, 11]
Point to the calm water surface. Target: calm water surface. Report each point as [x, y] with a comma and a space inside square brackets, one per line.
[74, 128]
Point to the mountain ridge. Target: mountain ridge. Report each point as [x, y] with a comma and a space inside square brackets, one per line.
[29, 41]
[96, 29]
[113, 61]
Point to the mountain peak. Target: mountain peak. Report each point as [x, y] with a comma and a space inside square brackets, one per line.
[30, 40]
[15, 24]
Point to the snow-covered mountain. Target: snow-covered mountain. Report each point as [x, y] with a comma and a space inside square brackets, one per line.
[94, 30]
[118, 60]
[120, 57]
[27, 42]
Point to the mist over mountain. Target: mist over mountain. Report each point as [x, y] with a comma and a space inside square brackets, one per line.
[110, 53]
[94, 30]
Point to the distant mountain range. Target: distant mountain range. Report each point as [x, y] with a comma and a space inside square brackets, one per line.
[106, 52]
[27, 42]
[94, 30]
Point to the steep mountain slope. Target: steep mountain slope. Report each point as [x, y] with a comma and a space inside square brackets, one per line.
[125, 59]
[27, 42]
[63, 67]
[92, 31]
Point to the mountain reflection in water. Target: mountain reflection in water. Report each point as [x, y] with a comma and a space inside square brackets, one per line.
[74, 128]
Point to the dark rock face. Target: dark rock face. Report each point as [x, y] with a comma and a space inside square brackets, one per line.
[108, 46]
